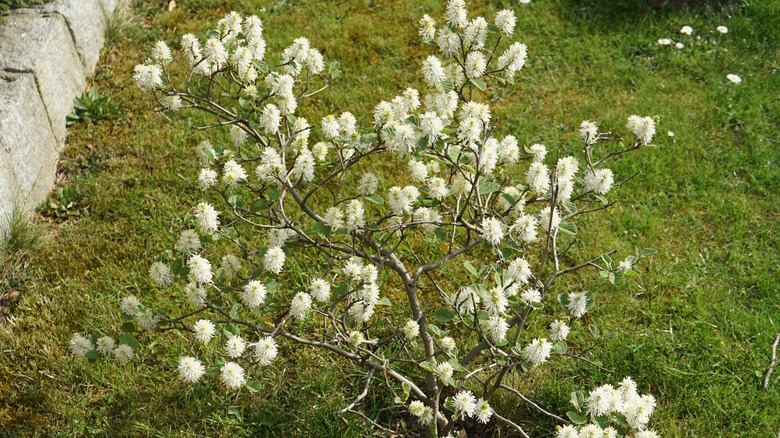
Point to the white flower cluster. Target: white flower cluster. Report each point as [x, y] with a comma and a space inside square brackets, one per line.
[81, 346]
[606, 400]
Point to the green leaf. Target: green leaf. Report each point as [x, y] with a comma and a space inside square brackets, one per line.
[376, 199]
[648, 252]
[92, 356]
[261, 66]
[322, 229]
[444, 315]
[564, 300]
[576, 418]
[436, 331]
[413, 119]
[487, 186]
[492, 28]
[259, 204]
[589, 300]
[469, 267]
[560, 347]
[428, 365]
[339, 289]
[603, 200]
[479, 83]
[423, 142]
[129, 340]
[568, 228]
[389, 132]
[594, 331]
[273, 193]
[253, 386]
[384, 302]
[601, 421]
[128, 327]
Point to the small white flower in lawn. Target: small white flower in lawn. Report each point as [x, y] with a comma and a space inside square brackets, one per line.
[190, 369]
[664, 42]
[722, 29]
[80, 346]
[204, 330]
[686, 30]
[123, 353]
[735, 79]
[232, 375]
[266, 351]
[105, 345]
[679, 46]
[670, 134]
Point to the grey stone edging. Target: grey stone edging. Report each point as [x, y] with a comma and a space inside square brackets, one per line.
[46, 55]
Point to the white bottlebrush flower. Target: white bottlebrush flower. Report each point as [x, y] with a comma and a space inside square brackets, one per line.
[195, 293]
[320, 290]
[547, 222]
[431, 126]
[355, 215]
[188, 243]
[207, 178]
[578, 304]
[447, 344]
[464, 301]
[231, 265]
[300, 305]
[232, 173]
[418, 171]
[530, 296]
[204, 330]
[123, 353]
[433, 71]
[279, 236]
[229, 26]
[320, 151]
[610, 432]
[437, 188]
[496, 328]
[334, 217]
[538, 151]
[401, 201]
[558, 330]
[604, 400]
[253, 28]
[171, 103]
[273, 261]
[519, 271]
[588, 131]
[237, 135]
[147, 76]
[492, 230]
[444, 370]
[475, 110]
[235, 346]
[642, 127]
[538, 178]
[505, 21]
[525, 228]
[495, 301]
[475, 35]
[465, 404]
[599, 181]
[411, 329]
[686, 30]
[722, 29]
[367, 184]
[427, 28]
[456, 15]
[232, 375]
[207, 217]
[105, 345]
[538, 351]
[215, 53]
[330, 127]
[647, 433]
[190, 369]
[147, 319]
[417, 408]
[513, 59]
[191, 47]
[356, 338]
[200, 270]
[253, 294]
[130, 305]
[566, 168]
[567, 431]
[475, 65]
[347, 122]
[591, 431]
[624, 265]
[80, 346]
[427, 218]
[664, 41]
[160, 274]
[484, 411]
[509, 152]
[270, 119]
[303, 168]
[734, 79]
[266, 350]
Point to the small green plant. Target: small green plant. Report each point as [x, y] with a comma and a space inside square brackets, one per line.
[7, 5]
[19, 240]
[63, 204]
[92, 106]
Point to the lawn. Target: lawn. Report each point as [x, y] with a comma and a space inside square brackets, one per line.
[695, 329]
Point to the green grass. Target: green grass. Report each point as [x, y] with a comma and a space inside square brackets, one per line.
[695, 329]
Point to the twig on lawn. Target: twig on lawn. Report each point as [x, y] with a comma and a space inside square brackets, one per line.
[772, 363]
